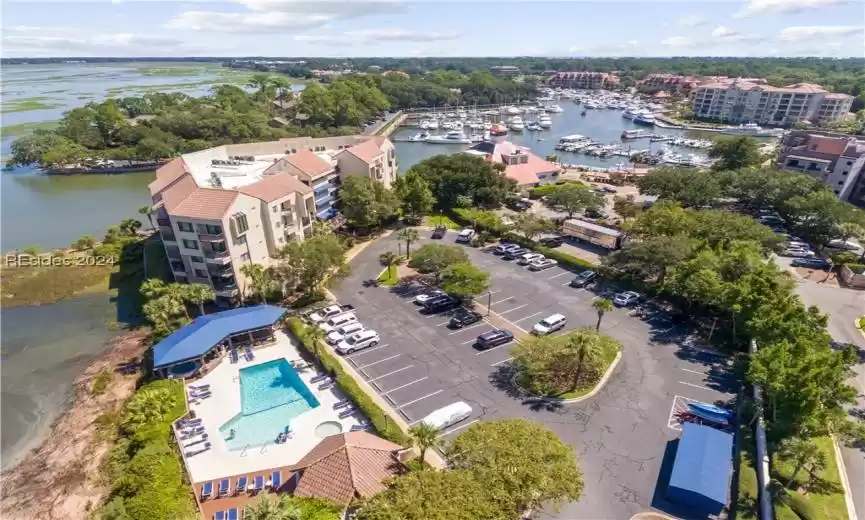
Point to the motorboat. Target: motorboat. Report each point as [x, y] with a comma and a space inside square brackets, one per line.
[512, 110]
[644, 119]
[634, 134]
[429, 124]
[545, 122]
[555, 109]
[517, 124]
[419, 137]
[751, 129]
[452, 137]
[629, 113]
[533, 127]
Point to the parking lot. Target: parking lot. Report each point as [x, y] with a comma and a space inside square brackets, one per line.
[620, 434]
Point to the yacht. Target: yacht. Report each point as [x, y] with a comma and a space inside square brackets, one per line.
[533, 126]
[517, 124]
[634, 134]
[630, 112]
[644, 119]
[751, 129]
[419, 137]
[452, 137]
[555, 109]
[512, 110]
[545, 122]
[429, 124]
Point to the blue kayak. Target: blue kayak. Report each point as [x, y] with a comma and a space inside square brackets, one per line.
[711, 413]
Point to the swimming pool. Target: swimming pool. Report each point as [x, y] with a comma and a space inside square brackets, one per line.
[271, 395]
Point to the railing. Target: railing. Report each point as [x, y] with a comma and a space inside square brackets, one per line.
[211, 238]
[163, 222]
[168, 237]
[216, 254]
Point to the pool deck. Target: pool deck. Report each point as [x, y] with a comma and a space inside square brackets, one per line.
[224, 404]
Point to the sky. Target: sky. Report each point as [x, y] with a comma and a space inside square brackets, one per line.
[374, 28]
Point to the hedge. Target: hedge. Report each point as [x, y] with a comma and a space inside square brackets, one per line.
[549, 189]
[563, 258]
[385, 426]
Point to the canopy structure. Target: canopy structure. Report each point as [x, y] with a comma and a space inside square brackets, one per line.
[207, 332]
[701, 471]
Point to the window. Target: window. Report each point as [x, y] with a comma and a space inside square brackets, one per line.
[281, 240]
[278, 224]
[201, 273]
[196, 259]
[275, 209]
[213, 230]
[245, 257]
[185, 226]
[190, 244]
[241, 225]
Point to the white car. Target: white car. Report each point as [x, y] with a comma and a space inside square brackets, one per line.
[337, 321]
[844, 244]
[327, 312]
[420, 299]
[357, 341]
[799, 253]
[339, 334]
[549, 325]
[543, 263]
[528, 258]
[624, 299]
[465, 235]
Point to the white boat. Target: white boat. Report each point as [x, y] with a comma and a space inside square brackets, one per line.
[452, 137]
[512, 110]
[751, 129]
[419, 137]
[533, 127]
[517, 124]
[630, 112]
[555, 108]
[429, 124]
[545, 122]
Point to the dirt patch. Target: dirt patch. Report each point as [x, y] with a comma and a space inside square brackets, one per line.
[818, 275]
[61, 478]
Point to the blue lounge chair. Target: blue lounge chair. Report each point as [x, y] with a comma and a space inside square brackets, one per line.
[318, 378]
[247, 353]
[190, 422]
[259, 483]
[200, 387]
[223, 487]
[360, 427]
[326, 385]
[233, 355]
[276, 481]
[207, 490]
[347, 412]
[241, 485]
[341, 404]
[232, 514]
[196, 396]
[219, 515]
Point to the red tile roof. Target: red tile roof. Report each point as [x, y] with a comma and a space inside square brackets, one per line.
[178, 191]
[342, 467]
[309, 163]
[527, 173]
[366, 151]
[167, 174]
[205, 204]
[827, 145]
[275, 186]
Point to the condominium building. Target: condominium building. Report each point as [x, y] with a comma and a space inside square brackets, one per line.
[836, 159]
[667, 83]
[743, 101]
[583, 80]
[221, 208]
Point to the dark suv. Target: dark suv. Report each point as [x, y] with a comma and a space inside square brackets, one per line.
[464, 317]
[439, 232]
[494, 338]
[583, 279]
[440, 304]
[552, 241]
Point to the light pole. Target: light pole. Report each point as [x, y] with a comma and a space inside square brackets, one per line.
[489, 302]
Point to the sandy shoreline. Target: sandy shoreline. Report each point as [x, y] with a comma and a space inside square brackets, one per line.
[60, 478]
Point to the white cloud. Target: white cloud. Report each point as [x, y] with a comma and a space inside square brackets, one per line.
[628, 48]
[692, 20]
[280, 15]
[819, 32]
[677, 42]
[114, 44]
[763, 7]
[371, 36]
[724, 32]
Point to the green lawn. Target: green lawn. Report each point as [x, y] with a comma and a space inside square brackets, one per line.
[825, 501]
[748, 488]
[26, 128]
[607, 358]
[26, 105]
[389, 276]
[439, 220]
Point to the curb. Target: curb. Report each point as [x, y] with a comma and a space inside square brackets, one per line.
[845, 483]
[856, 324]
[592, 393]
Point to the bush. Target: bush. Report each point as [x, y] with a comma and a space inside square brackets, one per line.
[549, 189]
[856, 268]
[101, 382]
[386, 427]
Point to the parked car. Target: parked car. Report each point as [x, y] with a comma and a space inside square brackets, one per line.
[625, 299]
[513, 254]
[338, 321]
[424, 297]
[494, 338]
[583, 279]
[552, 241]
[463, 318]
[811, 263]
[327, 312]
[440, 304]
[839, 243]
[798, 253]
[340, 333]
[439, 232]
[465, 236]
[798, 244]
[528, 258]
[518, 205]
[358, 341]
[549, 324]
[608, 189]
[448, 415]
[540, 265]
[595, 213]
[504, 248]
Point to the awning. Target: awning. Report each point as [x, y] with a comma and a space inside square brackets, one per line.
[700, 478]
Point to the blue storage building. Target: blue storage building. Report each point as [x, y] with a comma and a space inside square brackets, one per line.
[700, 479]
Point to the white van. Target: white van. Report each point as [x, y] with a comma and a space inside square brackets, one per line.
[465, 235]
[448, 415]
[358, 341]
[339, 333]
[529, 258]
[549, 325]
[338, 321]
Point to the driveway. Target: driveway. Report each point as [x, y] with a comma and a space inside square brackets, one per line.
[620, 435]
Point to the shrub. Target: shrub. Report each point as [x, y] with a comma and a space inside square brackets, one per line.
[101, 382]
[856, 268]
[385, 426]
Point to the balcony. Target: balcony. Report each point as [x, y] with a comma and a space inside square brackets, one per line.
[217, 257]
[178, 267]
[207, 237]
[227, 290]
[323, 202]
[163, 222]
[168, 237]
[220, 272]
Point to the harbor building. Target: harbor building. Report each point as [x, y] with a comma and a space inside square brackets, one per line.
[583, 80]
[521, 165]
[836, 159]
[672, 83]
[744, 101]
[220, 208]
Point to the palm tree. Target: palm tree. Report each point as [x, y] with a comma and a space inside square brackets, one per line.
[423, 436]
[148, 212]
[315, 335]
[152, 288]
[198, 293]
[259, 277]
[585, 351]
[602, 305]
[177, 292]
[409, 235]
[163, 311]
[283, 89]
[804, 453]
[389, 259]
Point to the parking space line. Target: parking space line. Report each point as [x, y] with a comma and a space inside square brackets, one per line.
[502, 361]
[443, 323]
[390, 373]
[494, 348]
[481, 323]
[458, 428]
[380, 361]
[527, 317]
[437, 392]
[405, 385]
[473, 340]
[366, 351]
[502, 300]
[514, 309]
[695, 386]
[693, 371]
[558, 275]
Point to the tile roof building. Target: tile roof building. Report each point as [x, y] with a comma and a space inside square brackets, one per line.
[219, 208]
[836, 159]
[583, 80]
[654, 83]
[521, 165]
[746, 100]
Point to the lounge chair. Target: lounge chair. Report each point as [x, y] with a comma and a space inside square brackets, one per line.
[202, 395]
[347, 412]
[318, 378]
[202, 450]
[232, 514]
[342, 404]
[259, 483]
[360, 427]
[247, 353]
[199, 387]
[189, 423]
[241, 485]
[219, 515]
[326, 385]
[233, 355]
[224, 487]
[275, 481]
[207, 490]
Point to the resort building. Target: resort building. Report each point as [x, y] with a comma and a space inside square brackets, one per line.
[743, 101]
[219, 208]
[521, 165]
[673, 83]
[505, 70]
[583, 80]
[260, 418]
[836, 159]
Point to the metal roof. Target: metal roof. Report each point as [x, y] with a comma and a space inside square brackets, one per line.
[197, 338]
[701, 472]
